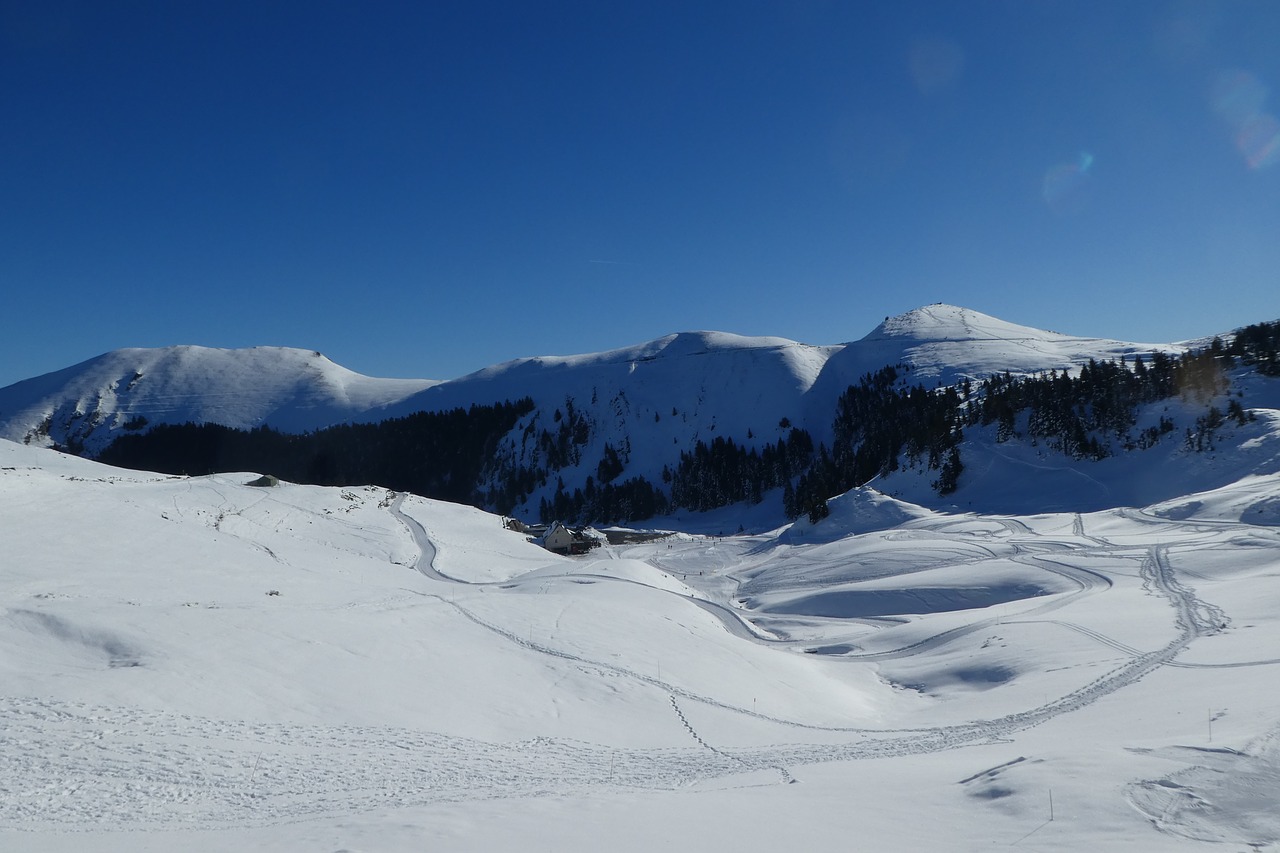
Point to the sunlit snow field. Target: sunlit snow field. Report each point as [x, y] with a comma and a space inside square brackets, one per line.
[197, 664]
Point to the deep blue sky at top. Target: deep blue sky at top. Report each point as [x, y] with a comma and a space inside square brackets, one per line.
[425, 188]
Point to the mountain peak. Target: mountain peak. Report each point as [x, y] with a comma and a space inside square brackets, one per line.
[943, 322]
[291, 389]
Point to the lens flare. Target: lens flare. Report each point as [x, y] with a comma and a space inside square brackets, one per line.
[1066, 186]
[936, 63]
[1238, 98]
[1259, 141]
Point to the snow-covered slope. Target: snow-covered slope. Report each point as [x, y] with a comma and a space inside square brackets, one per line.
[198, 664]
[294, 390]
[1024, 476]
[656, 398]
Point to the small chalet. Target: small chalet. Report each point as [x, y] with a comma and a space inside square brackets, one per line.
[566, 540]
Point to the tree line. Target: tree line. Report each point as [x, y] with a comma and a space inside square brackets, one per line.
[434, 454]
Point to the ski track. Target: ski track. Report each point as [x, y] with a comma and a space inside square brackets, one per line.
[154, 770]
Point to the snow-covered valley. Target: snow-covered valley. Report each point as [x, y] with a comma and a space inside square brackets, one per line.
[198, 663]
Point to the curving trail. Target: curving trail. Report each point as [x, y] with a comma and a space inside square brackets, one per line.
[426, 560]
[1193, 618]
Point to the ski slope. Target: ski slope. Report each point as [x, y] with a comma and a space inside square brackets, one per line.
[197, 663]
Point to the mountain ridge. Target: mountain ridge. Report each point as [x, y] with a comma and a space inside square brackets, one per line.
[696, 420]
[297, 390]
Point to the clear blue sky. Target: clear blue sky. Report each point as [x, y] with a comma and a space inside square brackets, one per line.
[425, 188]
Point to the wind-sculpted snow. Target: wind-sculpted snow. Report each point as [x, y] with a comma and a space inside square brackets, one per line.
[1217, 795]
[242, 667]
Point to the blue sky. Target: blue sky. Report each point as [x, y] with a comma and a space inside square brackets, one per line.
[425, 188]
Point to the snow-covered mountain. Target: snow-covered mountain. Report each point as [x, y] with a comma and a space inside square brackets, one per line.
[647, 403]
[718, 383]
[944, 344]
[293, 390]
[730, 385]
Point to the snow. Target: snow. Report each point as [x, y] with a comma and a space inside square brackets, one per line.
[290, 389]
[196, 663]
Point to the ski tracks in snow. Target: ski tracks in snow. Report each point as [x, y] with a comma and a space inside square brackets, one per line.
[1193, 617]
[66, 765]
